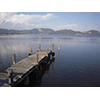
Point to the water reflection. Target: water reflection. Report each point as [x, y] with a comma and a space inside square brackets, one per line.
[47, 74]
[58, 54]
[33, 80]
[52, 65]
[20, 45]
[78, 56]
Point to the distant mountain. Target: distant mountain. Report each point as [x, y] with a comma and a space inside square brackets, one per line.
[12, 31]
[92, 33]
[33, 31]
[68, 32]
[50, 31]
[41, 31]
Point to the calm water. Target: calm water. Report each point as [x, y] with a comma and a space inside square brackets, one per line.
[77, 63]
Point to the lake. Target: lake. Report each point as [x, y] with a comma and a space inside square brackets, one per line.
[77, 63]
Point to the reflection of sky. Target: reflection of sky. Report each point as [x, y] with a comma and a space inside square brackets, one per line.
[13, 47]
[21, 44]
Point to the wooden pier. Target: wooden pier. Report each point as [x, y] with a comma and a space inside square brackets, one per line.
[20, 71]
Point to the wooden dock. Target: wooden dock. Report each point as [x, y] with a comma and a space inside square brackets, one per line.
[20, 71]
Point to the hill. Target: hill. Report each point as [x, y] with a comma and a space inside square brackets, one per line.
[50, 31]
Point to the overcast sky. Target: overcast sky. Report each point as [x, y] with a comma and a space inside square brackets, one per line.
[78, 21]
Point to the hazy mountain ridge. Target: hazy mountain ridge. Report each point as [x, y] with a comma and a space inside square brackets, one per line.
[50, 31]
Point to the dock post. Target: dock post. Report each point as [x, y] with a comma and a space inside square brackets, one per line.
[14, 58]
[39, 47]
[41, 67]
[26, 81]
[37, 58]
[58, 45]
[50, 46]
[30, 51]
[10, 77]
[53, 54]
[46, 52]
[47, 74]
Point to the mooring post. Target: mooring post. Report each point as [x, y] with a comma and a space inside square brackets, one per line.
[14, 58]
[26, 81]
[39, 47]
[58, 45]
[50, 46]
[40, 67]
[46, 52]
[30, 51]
[10, 77]
[47, 74]
[37, 58]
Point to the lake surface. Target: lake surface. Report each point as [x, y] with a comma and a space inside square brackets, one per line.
[77, 63]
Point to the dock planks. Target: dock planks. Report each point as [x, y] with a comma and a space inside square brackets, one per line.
[22, 68]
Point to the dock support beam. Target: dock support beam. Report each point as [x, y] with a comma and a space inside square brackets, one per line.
[46, 52]
[37, 58]
[52, 47]
[39, 47]
[30, 51]
[14, 58]
[10, 77]
[26, 80]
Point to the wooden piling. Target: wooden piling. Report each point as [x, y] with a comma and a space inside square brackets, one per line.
[47, 74]
[37, 58]
[31, 51]
[14, 58]
[26, 81]
[10, 77]
[58, 45]
[19, 71]
[46, 52]
[52, 47]
[39, 47]
[40, 67]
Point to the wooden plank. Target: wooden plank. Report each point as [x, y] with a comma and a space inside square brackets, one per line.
[24, 67]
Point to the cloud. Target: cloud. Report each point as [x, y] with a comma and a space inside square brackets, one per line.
[12, 20]
[75, 27]
[68, 26]
[25, 19]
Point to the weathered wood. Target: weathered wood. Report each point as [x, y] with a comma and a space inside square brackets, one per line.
[37, 57]
[10, 77]
[31, 51]
[26, 80]
[47, 74]
[46, 52]
[20, 70]
[52, 47]
[39, 47]
[14, 58]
